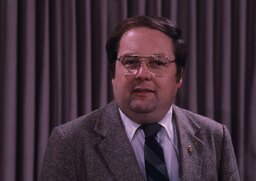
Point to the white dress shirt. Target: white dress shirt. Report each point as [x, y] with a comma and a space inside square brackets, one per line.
[166, 137]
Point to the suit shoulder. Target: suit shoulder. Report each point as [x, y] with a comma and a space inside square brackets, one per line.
[84, 121]
[85, 125]
[198, 120]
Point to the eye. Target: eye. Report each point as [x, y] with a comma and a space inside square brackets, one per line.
[157, 62]
[130, 61]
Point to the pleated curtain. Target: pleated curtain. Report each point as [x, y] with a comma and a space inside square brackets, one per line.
[53, 68]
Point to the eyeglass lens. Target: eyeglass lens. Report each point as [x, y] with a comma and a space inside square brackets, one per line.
[156, 65]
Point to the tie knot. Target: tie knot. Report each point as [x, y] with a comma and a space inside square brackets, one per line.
[150, 130]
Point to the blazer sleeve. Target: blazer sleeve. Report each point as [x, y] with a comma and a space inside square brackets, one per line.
[58, 163]
[228, 165]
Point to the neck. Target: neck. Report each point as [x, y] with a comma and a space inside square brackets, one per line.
[145, 118]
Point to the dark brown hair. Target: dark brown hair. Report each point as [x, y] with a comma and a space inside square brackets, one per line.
[158, 23]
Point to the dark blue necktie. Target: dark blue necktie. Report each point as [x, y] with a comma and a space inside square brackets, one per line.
[153, 153]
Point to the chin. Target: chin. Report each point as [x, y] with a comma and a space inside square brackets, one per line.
[142, 108]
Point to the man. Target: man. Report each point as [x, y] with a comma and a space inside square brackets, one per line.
[142, 135]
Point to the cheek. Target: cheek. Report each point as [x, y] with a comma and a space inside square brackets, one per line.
[115, 85]
[168, 87]
[120, 85]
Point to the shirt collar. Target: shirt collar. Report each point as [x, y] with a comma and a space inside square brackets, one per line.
[167, 123]
[131, 126]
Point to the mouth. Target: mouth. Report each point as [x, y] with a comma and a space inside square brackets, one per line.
[143, 90]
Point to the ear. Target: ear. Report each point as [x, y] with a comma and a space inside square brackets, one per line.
[112, 81]
[179, 83]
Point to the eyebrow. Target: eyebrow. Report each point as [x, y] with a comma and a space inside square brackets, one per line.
[135, 54]
[159, 54]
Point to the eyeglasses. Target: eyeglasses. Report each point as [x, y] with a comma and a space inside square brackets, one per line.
[157, 65]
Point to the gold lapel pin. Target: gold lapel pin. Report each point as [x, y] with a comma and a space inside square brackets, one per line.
[190, 149]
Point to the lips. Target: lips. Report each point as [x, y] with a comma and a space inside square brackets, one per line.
[138, 90]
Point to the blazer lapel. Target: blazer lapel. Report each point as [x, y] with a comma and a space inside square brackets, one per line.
[190, 146]
[115, 146]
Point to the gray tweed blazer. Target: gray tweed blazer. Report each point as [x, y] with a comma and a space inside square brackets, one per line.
[95, 147]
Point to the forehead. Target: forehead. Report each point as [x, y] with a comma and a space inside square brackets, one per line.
[145, 41]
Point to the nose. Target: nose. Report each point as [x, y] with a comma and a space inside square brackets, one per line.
[144, 72]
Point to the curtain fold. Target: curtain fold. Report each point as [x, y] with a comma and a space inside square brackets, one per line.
[43, 122]
[84, 56]
[99, 61]
[53, 68]
[8, 88]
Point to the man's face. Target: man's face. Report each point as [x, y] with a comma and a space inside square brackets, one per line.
[145, 97]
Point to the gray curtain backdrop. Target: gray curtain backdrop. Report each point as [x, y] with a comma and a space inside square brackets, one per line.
[53, 68]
